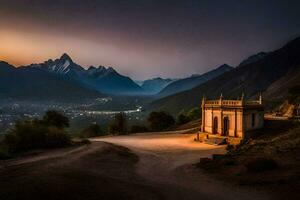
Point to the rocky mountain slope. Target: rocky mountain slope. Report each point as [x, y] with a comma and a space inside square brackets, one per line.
[155, 85]
[31, 83]
[193, 81]
[102, 79]
[252, 78]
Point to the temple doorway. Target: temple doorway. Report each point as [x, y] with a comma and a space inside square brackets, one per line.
[215, 126]
[226, 126]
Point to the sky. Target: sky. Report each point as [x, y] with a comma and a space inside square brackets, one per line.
[145, 38]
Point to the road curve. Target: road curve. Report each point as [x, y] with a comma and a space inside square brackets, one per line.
[166, 160]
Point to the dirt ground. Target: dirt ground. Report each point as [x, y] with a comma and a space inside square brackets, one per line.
[166, 160]
[140, 166]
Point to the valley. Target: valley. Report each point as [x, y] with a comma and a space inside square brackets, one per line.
[29, 91]
[101, 110]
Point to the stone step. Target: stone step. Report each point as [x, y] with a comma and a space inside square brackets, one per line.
[216, 141]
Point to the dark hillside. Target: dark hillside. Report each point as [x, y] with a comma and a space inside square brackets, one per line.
[251, 79]
[35, 84]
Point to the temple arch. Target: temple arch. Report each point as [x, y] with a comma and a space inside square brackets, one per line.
[215, 125]
[226, 126]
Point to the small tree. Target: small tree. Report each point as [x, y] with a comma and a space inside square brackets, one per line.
[112, 128]
[194, 113]
[33, 134]
[57, 137]
[119, 125]
[182, 119]
[54, 118]
[92, 130]
[26, 135]
[160, 121]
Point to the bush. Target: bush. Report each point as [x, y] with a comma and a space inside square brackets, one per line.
[85, 141]
[160, 121]
[26, 135]
[4, 153]
[119, 125]
[92, 130]
[33, 134]
[261, 165]
[138, 129]
[54, 118]
[230, 147]
[182, 119]
[194, 113]
[112, 128]
[56, 137]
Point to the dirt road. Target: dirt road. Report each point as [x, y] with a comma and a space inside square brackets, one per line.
[141, 166]
[96, 171]
[166, 160]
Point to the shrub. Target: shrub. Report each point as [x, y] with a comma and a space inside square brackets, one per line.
[26, 135]
[138, 129]
[54, 118]
[119, 125]
[261, 165]
[194, 113]
[4, 153]
[92, 130]
[230, 147]
[160, 121]
[56, 137]
[33, 134]
[112, 128]
[182, 119]
[85, 141]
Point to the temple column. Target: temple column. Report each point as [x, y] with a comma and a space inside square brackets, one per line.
[212, 120]
[221, 109]
[235, 123]
[243, 124]
[203, 115]
[203, 118]
[222, 122]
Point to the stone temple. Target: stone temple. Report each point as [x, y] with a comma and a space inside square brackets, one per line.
[231, 119]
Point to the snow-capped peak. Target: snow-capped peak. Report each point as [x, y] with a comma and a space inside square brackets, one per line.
[65, 57]
[66, 64]
[91, 68]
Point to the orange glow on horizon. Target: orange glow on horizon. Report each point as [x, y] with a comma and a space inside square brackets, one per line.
[21, 47]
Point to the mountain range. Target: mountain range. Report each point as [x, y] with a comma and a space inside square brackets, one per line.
[190, 82]
[272, 74]
[101, 79]
[26, 83]
[155, 85]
